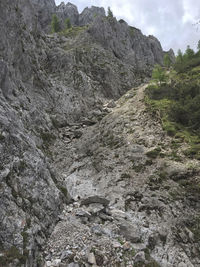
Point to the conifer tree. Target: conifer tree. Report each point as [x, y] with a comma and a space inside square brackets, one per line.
[198, 46]
[167, 61]
[110, 14]
[55, 25]
[68, 23]
[189, 53]
[158, 74]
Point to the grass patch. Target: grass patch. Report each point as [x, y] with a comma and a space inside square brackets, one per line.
[73, 31]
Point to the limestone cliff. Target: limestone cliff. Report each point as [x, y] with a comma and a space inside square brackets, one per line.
[56, 147]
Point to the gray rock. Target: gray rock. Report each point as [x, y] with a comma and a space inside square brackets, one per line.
[95, 199]
[140, 257]
[97, 230]
[82, 213]
[64, 11]
[72, 264]
[43, 10]
[66, 254]
[91, 258]
[130, 232]
[88, 15]
[111, 104]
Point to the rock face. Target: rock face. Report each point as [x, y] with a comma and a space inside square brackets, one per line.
[54, 140]
[43, 10]
[68, 10]
[88, 15]
[127, 43]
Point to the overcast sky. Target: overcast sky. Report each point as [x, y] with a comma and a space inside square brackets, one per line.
[171, 21]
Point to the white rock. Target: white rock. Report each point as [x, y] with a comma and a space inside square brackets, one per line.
[91, 258]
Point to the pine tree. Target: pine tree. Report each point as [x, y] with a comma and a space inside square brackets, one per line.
[110, 14]
[198, 46]
[68, 23]
[189, 53]
[179, 57]
[167, 61]
[158, 74]
[55, 25]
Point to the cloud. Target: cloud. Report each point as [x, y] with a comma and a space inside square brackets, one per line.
[172, 22]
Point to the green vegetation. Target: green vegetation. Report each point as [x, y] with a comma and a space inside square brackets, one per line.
[154, 153]
[48, 138]
[167, 61]
[110, 13]
[138, 167]
[184, 62]
[10, 255]
[195, 228]
[73, 31]
[159, 75]
[131, 31]
[174, 97]
[55, 24]
[125, 175]
[68, 23]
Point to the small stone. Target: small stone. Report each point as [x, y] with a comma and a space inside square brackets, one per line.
[73, 264]
[116, 244]
[105, 217]
[76, 205]
[140, 257]
[111, 104]
[95, 207]
[82, 213]
[66, 254]
[95, 199]
[91, 258]
[48, 264]
[56, 262]
[96, 229]
[126, 246]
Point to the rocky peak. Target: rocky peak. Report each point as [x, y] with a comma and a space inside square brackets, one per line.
[127, 43]
[68, 11]
[89, 14]
[171, 55]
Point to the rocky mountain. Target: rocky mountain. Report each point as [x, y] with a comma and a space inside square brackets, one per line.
[76, 185]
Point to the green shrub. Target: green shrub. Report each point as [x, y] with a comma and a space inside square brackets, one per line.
[10, 255]
[154, 153]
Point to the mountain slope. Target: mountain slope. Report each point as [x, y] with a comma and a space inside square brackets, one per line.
[130, 205]
[49, 82]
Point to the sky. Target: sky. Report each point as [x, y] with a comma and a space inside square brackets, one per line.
[173, 22]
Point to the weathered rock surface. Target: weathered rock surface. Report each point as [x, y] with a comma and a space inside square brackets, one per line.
[64, 138]
[88, 15]
[64, 11]
[150, 219]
